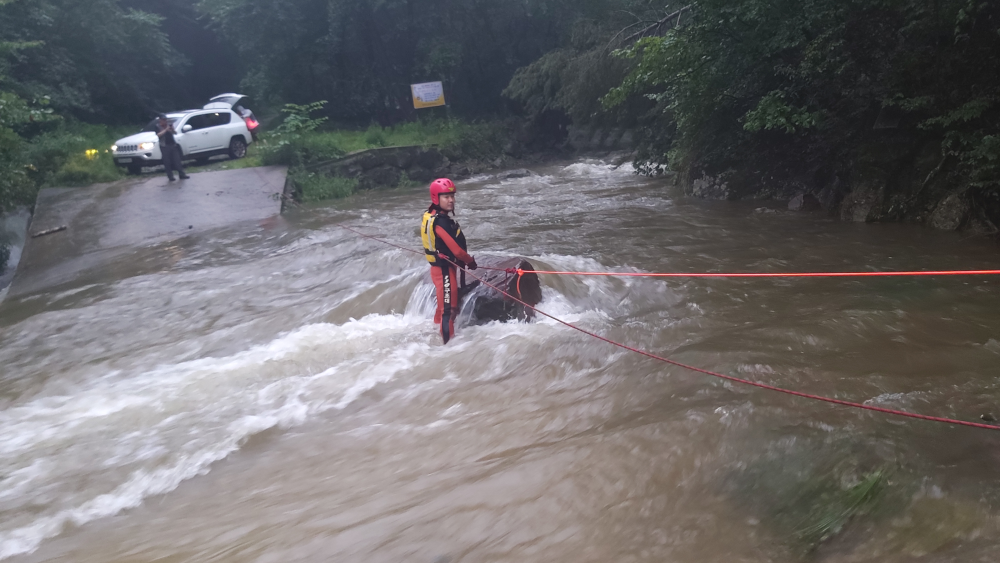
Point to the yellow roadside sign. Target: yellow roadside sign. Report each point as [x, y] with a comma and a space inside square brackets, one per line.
[427, 95]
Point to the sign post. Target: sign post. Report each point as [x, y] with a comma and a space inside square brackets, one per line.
[427, 95]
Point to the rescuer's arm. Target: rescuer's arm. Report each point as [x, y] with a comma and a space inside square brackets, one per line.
[462, 255]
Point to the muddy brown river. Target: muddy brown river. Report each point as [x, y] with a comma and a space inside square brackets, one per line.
[277, 392]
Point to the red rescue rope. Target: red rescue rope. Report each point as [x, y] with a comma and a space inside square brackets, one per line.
[705, 371]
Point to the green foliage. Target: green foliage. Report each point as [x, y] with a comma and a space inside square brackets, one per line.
[17, 115]
[96, 60]
[83, 170]
[313, 186]
[572, 79]
[375, 137]
[773, 112]
[567, 81]
[292, 143]
[459, 139]
[299, 119]
[782, 87]
[59, 157]
[15, 186]
[364, 54]
[406, 182]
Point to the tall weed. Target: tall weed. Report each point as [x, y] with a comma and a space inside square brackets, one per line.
[75, 154]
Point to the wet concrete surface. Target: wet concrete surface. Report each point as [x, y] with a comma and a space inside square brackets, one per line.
[108, 222]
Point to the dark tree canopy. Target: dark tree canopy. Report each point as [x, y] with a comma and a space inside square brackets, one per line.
[95, 60]
[784, 85]
[362, 55]
[773, 88]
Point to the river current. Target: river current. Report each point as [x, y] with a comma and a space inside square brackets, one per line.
[277, 392]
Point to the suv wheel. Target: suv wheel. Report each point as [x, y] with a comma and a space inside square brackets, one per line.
[237, 148]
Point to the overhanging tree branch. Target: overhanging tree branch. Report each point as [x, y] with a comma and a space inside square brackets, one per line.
[670, 21]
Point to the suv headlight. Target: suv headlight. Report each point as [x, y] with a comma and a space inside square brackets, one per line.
[114, 148]
[146, 146]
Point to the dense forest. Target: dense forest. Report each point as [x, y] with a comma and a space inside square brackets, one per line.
[875, 109]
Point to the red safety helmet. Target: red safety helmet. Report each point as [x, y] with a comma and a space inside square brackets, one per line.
[441, 186]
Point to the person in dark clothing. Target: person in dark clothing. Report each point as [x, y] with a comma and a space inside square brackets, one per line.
[169, 148]
[446, 250]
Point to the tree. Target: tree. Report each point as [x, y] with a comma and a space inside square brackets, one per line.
[779, 88]
[362, 55]
[95, 60]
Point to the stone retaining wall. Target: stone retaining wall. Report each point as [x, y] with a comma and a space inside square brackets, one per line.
[391, 166]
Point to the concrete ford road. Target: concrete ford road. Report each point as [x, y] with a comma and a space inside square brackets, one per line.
[107, 222]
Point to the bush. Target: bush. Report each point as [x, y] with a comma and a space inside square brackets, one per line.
[292, 143]
[16, 188]
[75, 154]
[83, 170]
[375, 137]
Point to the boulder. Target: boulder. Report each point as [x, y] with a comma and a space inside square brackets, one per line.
[490, 305]
[865, 202]
[803, 202]
[710, 187]
[951, 213]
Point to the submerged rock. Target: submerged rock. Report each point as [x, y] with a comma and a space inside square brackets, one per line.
[512, 174]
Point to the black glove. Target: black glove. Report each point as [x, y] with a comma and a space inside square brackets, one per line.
[472, 265]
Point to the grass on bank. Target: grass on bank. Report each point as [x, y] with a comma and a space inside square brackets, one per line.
[314, 187]
[459, 140]
[306, 144]
[476, 139]
[74, 154]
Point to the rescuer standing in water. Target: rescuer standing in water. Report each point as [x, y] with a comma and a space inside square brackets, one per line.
[443, 241]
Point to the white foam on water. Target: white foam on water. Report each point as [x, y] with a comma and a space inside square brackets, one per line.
[102, 442]
[146, 434]
[134, 436]
[597, 169]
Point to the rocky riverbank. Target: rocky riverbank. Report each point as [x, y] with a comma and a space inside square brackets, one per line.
[891, 177]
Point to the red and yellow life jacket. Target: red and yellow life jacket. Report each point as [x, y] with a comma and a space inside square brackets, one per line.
[432, 246]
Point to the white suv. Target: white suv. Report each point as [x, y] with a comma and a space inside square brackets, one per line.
[201, 135]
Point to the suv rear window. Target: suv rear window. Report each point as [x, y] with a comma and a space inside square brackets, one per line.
[220, 119]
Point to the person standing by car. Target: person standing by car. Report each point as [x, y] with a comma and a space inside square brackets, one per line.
[249, 118]
[169, 149]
